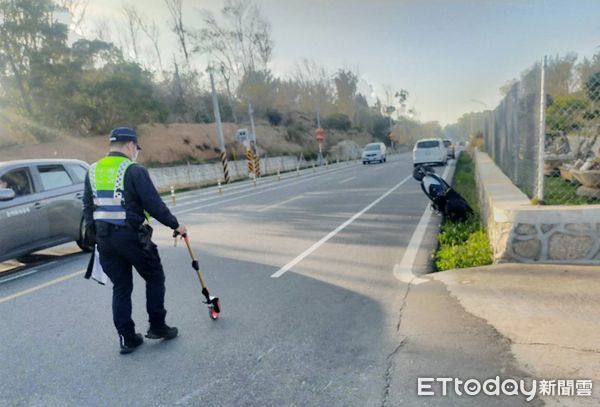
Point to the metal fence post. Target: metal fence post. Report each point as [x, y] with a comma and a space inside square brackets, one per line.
[542, 134]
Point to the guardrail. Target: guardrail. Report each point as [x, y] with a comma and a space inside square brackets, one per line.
[199, 175]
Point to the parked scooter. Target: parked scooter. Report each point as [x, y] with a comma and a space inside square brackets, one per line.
[444, 199]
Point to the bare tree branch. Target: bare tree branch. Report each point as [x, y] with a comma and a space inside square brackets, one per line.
[174, 7]
[78, 10]
[241, 42]
[149, 28]
[132, 18]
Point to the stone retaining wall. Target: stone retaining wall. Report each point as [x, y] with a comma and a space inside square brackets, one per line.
[522, 232]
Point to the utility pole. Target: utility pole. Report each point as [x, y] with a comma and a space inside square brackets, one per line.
[253, 141]
[541, 135]
[320, 134]
[219, 127]
[318, 117]
[251, 114]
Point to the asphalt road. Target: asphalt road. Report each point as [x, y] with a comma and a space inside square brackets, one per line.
[322, 305]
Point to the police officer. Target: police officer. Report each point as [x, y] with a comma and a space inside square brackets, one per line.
[119, 197]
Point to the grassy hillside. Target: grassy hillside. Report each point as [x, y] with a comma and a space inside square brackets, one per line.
[176, 143]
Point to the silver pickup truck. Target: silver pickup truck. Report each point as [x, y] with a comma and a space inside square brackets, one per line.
[40, 205]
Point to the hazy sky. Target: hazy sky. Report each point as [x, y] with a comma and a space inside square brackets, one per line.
[451, 55]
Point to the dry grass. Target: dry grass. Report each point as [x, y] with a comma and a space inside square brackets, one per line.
[174, 143]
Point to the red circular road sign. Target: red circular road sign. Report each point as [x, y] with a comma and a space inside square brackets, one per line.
[320, 134]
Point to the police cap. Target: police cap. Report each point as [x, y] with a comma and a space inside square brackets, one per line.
[124, 134]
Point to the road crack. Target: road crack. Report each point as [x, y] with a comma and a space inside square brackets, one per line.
[389, 370]
[390, 358]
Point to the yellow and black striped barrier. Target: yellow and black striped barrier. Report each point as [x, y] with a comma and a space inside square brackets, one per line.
[250, 159]
[257, 165]
[225, 169]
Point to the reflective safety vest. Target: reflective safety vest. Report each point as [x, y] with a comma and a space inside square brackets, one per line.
[107, 179]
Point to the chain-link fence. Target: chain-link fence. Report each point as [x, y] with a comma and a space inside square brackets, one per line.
[565, 169]
[512, 131]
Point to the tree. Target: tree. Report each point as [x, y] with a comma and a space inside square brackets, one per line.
[136, 22]
[586, 68]
[363, 117]
[175, 10]
[260, 88]
[402, 97]
[338, 121]
[345, 84]
[560, 74]
[240, 44]
[31, 42]
[131, 17]
[117, 94]
[508, 85]
[78, 10]
[592, 87]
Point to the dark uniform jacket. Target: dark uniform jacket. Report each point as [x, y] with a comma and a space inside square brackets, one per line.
[140, 195]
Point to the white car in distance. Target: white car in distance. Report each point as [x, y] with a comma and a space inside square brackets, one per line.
[430, 152]
[374, 152]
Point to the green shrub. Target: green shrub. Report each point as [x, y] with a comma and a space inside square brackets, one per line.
[463, 244]
[338, 121]
[456, 233]
[474, 252]
[274, 117]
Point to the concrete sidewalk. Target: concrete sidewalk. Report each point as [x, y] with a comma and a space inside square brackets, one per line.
[549, 313]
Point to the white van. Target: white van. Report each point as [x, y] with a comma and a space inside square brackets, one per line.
[430, 152]
[374, 152]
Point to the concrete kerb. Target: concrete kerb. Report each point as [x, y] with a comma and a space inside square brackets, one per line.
[522, 232]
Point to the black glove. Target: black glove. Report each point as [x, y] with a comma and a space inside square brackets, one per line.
[89, 236]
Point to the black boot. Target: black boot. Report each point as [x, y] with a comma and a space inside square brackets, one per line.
[130, 342]
[163, 331]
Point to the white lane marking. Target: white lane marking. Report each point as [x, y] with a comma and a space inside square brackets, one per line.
[39, 287]
[30, 272]
[177, 213]
[266, 208]
[268, 182]
[274, 188]
[246, 186]
[347, 180]
[318, 244]
[266, 353]
[259, 189]
[404, 270]
[18, 276]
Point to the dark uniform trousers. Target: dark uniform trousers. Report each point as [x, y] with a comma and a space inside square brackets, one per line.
[119, 250]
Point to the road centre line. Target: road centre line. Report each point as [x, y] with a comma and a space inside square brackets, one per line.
[177, 213]
[266, 208]
[318, 244]
[274, 188]
[247, 183]
[347, 180]
[246, 186]
[69, 276]
[404, 270]
[210, 193]
[39, 287]
[18, 276]
[266, 189]
[25, 273]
